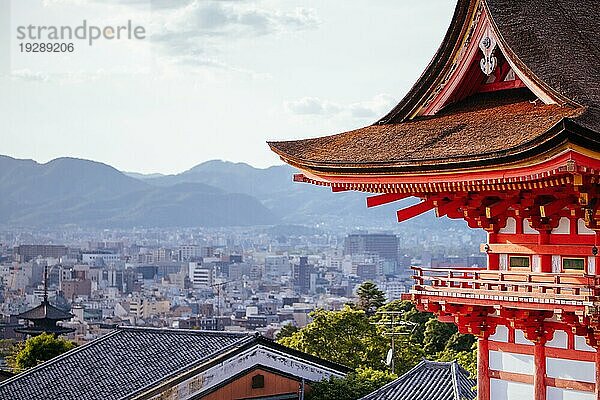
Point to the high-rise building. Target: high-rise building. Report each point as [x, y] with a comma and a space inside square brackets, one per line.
[199, 275]
[382, 244]
[27, 252]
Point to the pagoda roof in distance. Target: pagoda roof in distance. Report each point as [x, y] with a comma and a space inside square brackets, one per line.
[550, 45]
[45, 311]
[429, 380]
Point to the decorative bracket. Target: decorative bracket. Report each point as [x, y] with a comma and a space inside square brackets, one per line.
[488, 63]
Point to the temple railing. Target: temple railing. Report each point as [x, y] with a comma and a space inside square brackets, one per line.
[539, 287]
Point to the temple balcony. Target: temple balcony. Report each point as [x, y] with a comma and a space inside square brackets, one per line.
[522, 289]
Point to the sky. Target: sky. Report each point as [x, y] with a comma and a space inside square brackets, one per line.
[210, 79]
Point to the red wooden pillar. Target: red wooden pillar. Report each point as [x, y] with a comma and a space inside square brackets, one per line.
[493, 259]
[546, 263]
[539, 361]
[545, 259]
[597, 391]
[483, 369]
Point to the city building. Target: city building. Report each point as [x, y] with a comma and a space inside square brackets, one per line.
[102, 257]
[385, 245]
[199, 275]
[502, 130]
[27, 252]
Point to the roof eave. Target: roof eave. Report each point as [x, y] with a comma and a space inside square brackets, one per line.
[564, 132]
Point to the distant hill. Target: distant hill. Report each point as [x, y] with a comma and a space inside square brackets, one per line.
[214, 193]
[293, 203]
[88, 193]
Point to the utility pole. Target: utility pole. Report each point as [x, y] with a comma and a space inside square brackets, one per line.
[392, 332]
[219, 287]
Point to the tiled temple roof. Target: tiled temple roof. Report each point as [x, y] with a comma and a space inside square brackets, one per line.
[45, 311]
[479, 129]
[553, 43]
[429, 381]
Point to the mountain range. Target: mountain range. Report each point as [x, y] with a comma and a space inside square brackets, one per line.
[215, 193]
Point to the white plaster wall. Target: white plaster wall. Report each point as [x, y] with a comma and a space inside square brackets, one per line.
[511, 226]
[503, 262]
[505, 390]
[553, 393]
[257, 355]
[520, 338]
[563, 228]
[582, 229]
[591, 265]
[501, 334]
[559, 340]
[556, 264]
[511, 362]
[536, 263]
[581, 344]
[584, 371]
[527, 228]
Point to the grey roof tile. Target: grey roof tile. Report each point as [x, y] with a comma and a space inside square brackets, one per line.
[429, 381]
[119, 364]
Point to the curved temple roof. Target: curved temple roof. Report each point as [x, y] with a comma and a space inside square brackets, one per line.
[550, 44]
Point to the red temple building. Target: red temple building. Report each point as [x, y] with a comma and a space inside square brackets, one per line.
[501, 130]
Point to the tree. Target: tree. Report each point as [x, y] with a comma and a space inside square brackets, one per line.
[370, 298]
[355, 385]
[37, 350]
[436, 336]
[286, 331]
[346, 337]
[466, 359]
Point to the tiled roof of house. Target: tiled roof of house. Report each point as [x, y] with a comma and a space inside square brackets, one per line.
[119, 364]
[131, 362]
[429, 381]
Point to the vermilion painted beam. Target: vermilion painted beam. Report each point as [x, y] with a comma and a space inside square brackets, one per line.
[298, 177]
[412, 211]
[492, 87]
[554, 207]
[530, 249]
[385, 198]
[336, 189]
[499, 207]
[449, 207]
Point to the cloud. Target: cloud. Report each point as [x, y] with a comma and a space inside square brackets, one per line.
[197, 30]
[374, 108]
[312, 106]
[29, 76]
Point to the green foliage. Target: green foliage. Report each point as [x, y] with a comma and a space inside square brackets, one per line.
[352, 338]
[370, 298]
[37, 350]
[436, 336]
[286, 331]
[346, 337]
[466, 358]
[355, 385]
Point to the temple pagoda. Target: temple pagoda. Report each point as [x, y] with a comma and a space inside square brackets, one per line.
[45, 317]
[501, 130]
